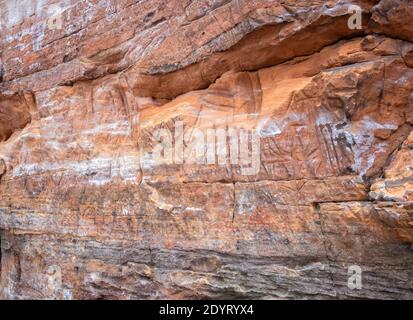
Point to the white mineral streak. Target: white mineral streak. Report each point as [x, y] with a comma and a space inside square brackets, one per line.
[99, 170]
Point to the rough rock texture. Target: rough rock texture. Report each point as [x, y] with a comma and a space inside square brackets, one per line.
[85, 214]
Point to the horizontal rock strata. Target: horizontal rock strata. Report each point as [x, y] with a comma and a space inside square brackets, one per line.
[87, 213]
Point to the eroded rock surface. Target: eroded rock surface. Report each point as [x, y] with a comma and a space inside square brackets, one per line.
[86, 212]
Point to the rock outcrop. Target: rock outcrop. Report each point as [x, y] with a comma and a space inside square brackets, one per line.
[323, 114]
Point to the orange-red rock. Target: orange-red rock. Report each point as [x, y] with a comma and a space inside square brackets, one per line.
[85, 210]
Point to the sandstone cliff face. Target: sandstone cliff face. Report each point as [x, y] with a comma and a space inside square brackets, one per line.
[86, 213]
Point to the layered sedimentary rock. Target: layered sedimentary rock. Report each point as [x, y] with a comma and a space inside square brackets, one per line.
[322, 112]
